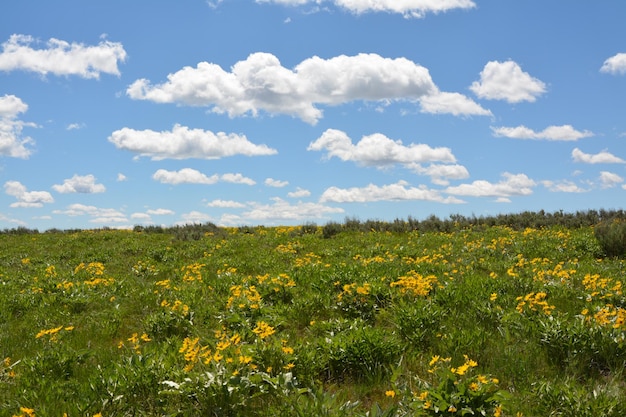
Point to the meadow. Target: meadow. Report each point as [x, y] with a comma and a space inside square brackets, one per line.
[353, 319]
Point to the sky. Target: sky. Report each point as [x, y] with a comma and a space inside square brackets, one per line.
[288, 112]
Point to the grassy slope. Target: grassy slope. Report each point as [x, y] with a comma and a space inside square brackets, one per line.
[342, 327]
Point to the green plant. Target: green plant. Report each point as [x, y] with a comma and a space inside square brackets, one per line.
[362, 354]
[612, 237]
[457, 391]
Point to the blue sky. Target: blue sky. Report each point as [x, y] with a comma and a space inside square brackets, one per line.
[280, 112]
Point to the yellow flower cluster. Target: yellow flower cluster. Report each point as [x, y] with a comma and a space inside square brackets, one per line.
[355, 289]
[263, 329]
[25, 412]
[277, 283]
[53, 332]
[92, 268]
[192, 272]
[415, 283]
[608, 316]
[7, 368]
[51, 271]
[99, 281]
[286, 248]
[177, 307]
[228, 350]
[244, 297]
[308, 259]
[461, 370]
[601, 287]
[135, 342]
[534, 301]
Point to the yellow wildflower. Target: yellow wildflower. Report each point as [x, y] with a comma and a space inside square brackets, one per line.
[263, 329]
[390, 393]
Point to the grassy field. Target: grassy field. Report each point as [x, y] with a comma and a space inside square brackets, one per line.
[299, 321]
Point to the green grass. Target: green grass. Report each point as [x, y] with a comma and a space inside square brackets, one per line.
[294, 321]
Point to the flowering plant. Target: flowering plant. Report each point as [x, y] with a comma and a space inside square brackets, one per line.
[458, 391]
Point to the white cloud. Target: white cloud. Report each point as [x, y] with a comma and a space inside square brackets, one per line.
[144, 217]
[261, 83]
[282, 210]
[599, 158]
[225, 204]
[392, 192]
[507, 81]
[75, 126]
[184, 176]
[441, 174]
[7, 219]
[609, 179]
[271, 182]
[299, 193]
[407, 8]
[79, 184]
[98, 215]
[562, 133]
[511, 185]
[615, 64]
[237, 179]
[192, 176]
[61, 58]
[452, 103]
[12, 143]
[377, 150]
[160, 212]
[26, 198]
[562, 186]
[194, 217]
[121, 177]
[182, 143]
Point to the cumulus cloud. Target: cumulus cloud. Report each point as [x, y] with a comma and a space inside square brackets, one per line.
[452, 103]
[562, 186]
[144, 217]
[160, 212]
[182, 143]
[98, 215]
[507, 81]
[441, 174]
[79, 184]
[59, 57]
[194, 217]
[75, 126]
[609, 179]
[192, 176]
[407, 8]
[225, 204]
[184, 176]
[282, 210]
[12, 143]
[511, 185]
[560, 133]
[392, 192]
[377, 150]
[261, 83]
[599, 158]
[26, 198]
[615, 64]
[299, 193]
[271, 182]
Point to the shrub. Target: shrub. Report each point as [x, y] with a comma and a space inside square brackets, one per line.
[363, 353]
[612, 237]
[331, 229]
